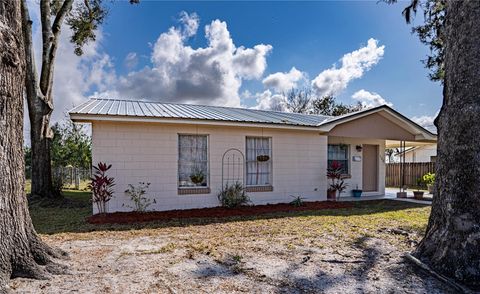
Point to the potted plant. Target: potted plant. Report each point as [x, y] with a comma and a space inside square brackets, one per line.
[417, 194]
[331, 194]
[429, 180]
[197, 176]
[357, 192]
[337, 184]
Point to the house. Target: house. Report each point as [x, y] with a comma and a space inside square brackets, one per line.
[165, 144]
[421, 153]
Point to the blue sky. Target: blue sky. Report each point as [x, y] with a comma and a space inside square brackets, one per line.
[310, 36]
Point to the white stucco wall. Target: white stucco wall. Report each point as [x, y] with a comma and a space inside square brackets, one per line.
[147, 152]
[356, 166]
[421, 154]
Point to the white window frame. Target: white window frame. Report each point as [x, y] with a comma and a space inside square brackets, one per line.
[178, 161]
[347, 159]
[270, 162]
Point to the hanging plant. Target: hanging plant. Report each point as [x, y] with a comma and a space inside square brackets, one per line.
[263, 158]
[197, 176]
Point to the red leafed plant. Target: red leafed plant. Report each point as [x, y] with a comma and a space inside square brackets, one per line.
[334, 173]
[101, 186]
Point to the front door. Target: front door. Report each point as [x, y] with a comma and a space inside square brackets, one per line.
[370, 168]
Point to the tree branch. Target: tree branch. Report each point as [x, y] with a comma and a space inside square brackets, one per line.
[66, 6]
[31, 78]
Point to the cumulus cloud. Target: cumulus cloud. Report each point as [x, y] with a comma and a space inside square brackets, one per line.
[370, 99]
[131, 60]
[284, 81]
[353, 65]
[267, 100]
[179, 73]
[426, 121]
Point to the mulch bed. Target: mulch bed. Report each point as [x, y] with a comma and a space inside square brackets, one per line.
[213, 212]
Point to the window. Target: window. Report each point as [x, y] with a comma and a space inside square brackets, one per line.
[339, 153]
[193, 169]
[259, 173]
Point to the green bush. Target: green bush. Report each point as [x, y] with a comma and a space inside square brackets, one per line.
[233, 196]
[429, 178]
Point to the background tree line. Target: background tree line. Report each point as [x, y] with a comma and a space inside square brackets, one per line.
[305, 101]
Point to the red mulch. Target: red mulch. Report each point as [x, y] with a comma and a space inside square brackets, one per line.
[213, 212]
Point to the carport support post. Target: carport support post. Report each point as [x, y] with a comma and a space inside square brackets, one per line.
[402, 193]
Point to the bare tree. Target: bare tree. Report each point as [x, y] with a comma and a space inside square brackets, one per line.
[83, 19]
[22, 253]
[299, 100]
[328, 106]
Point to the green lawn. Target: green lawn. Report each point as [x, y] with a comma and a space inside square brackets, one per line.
[366, 218]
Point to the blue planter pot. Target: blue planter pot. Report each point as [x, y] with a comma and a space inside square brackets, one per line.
[357, 193]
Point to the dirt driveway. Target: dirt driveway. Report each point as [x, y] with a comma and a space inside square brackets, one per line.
[358, 250]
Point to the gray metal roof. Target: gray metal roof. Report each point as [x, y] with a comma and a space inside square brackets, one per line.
[117, 107]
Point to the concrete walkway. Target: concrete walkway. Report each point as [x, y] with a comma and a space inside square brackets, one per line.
[391, 194]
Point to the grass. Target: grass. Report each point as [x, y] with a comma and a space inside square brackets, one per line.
[366, 218]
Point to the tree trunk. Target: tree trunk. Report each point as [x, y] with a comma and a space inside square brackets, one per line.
[41, 138]
[452, 241]
[22, 253]
[39, 110]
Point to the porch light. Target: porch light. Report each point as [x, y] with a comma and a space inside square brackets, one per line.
[359, 148]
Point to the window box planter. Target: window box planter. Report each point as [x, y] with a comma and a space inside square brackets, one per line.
[357, 193]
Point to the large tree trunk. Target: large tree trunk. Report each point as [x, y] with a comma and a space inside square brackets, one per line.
[22, 253]
[452, 241]
[40, 110]
[41, 138]
[39, 94]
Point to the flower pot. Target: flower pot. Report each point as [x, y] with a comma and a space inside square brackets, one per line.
[418, 194]
[430, 188]
[401, 194]
[331, 195]
[357, 193]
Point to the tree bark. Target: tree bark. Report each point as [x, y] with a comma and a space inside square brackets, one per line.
[22, 253]
[452, 241]
[39, 95]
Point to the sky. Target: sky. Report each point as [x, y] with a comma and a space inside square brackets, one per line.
[246, 54]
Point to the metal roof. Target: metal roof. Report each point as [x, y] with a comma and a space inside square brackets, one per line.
[122, 108]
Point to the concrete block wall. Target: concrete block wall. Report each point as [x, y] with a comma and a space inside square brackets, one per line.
[148, 152]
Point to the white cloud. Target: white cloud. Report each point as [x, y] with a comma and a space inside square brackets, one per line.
[270, 101]
[131, 60]
[284, 81]
[426, 121]
[370, 99]
[179, 73]
[353, 65]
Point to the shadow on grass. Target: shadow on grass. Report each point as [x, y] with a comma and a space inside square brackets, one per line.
[53, 220]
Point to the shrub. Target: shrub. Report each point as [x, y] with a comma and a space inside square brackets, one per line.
[101, 186]
[297, 201]
[141, 203]
[334, 174]
[57, 184]
[429, 178]
[233, 196]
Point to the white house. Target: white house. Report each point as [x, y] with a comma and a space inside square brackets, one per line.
[422, 153]
[165, 143]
